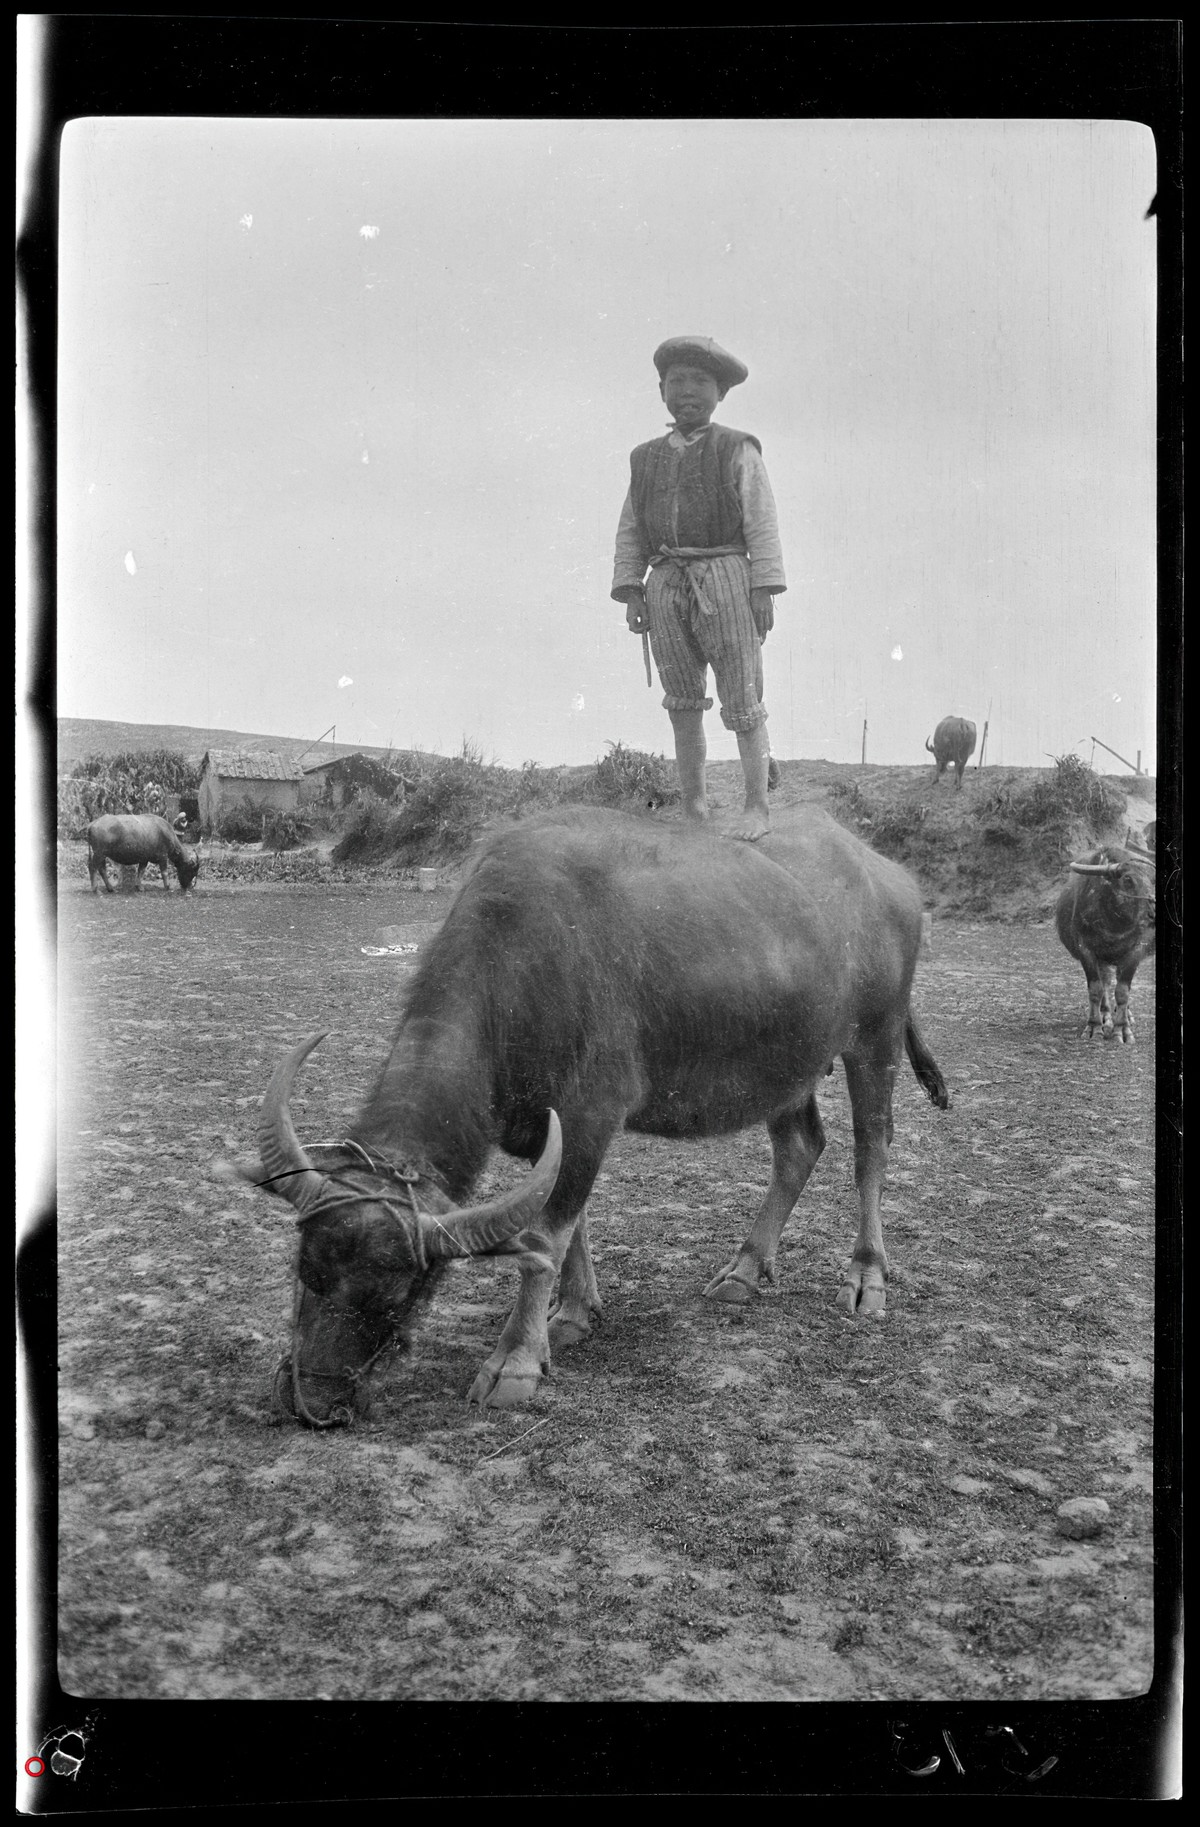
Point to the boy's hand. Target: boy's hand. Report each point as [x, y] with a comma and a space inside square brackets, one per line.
[636, 618]
[762, 608]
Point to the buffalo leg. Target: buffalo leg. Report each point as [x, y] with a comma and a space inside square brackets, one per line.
[870, 1079]
[99, 867]
[578, 1296]
[1099, 1000]
[797, 1139]
[522, 1356]
[1124, 1017]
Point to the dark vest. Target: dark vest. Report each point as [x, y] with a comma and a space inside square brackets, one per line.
[699, 480]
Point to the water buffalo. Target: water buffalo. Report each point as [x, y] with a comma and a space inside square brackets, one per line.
[953, 741]
[620, 973]
[141, 838]
[1105, 918]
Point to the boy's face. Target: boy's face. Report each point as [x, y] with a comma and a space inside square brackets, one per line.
[691, 395]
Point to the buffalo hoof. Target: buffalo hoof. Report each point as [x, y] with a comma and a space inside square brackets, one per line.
[862, 1300]
[504, 1389]
[565, 1332]
[731, 1288]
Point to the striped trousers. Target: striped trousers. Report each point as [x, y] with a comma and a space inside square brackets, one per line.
[687, 638]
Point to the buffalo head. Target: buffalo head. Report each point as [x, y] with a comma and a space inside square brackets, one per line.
[374, 1239]
[1127, 874]
[188, 868]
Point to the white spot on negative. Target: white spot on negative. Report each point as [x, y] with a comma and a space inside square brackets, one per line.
[365, 457]
[130, 566]
[897, 652]
[245, 221]
[577, 701]
[344, 681]
[368, 233]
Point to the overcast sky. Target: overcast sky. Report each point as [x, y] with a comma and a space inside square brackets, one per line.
[346, 409]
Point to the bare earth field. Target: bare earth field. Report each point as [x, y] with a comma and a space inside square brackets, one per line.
[775, 1503]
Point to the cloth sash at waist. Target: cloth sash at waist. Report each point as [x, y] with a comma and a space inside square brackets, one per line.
[686, 558]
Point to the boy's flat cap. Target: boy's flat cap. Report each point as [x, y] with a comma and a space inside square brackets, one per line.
[701, 352]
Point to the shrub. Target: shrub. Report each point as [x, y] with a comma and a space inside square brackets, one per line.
[241, 822]
[136, 768]
[850, 804]
[1056, 800]
[76, 808]
[121, 783]
[368, 832]
[624, 774]
[442, 815]
[449, 802]
[891, 828]
[537, 788]
[440, 818]
[284, 830]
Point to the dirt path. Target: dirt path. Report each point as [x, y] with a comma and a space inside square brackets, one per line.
[703, 1504]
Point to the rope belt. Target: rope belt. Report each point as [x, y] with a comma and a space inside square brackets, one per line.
[685, 558]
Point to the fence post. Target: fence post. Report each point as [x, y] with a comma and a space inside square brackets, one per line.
[864, 747]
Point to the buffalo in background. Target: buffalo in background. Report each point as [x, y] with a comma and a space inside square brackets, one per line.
[953, 742]
[139, 838]
[1105, 918]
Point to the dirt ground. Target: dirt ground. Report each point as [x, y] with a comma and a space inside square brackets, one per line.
[704, 1503]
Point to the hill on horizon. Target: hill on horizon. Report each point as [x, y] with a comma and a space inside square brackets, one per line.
[80, 736]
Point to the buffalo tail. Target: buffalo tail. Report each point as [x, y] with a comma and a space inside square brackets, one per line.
[924, 1065]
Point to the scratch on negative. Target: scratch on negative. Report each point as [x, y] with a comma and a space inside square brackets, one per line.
[508, 1443]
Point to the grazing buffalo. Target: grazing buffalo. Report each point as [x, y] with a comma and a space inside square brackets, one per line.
[953, 741]
[140, 838]
[621, 974]
[1105, 918]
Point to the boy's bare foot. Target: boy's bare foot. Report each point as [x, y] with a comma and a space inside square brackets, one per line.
[750, 824]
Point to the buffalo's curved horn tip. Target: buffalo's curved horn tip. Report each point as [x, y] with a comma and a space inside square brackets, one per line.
[284, 1160]
[477, 1229]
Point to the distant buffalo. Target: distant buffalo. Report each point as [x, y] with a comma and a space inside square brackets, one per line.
[1105, 918]
[953, 741]
[141, 839]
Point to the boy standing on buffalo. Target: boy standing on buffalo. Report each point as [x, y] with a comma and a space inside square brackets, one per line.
[700, 517]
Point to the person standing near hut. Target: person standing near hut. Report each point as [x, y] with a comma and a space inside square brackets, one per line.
[700, 518]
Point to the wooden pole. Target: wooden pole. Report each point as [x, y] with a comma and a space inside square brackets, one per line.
[982, 746]
[1104, 745]
[1138, 768]
[864, 747]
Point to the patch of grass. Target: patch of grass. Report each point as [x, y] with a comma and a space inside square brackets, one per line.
[451, 801]
[1054, 802]
[626, 774]
[849, 1634]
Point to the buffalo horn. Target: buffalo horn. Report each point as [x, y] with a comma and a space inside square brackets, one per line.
[1096, 868]
[474, 1230]
[284, 1161]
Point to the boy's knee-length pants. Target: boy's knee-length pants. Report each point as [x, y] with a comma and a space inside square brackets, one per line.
[686, 638]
